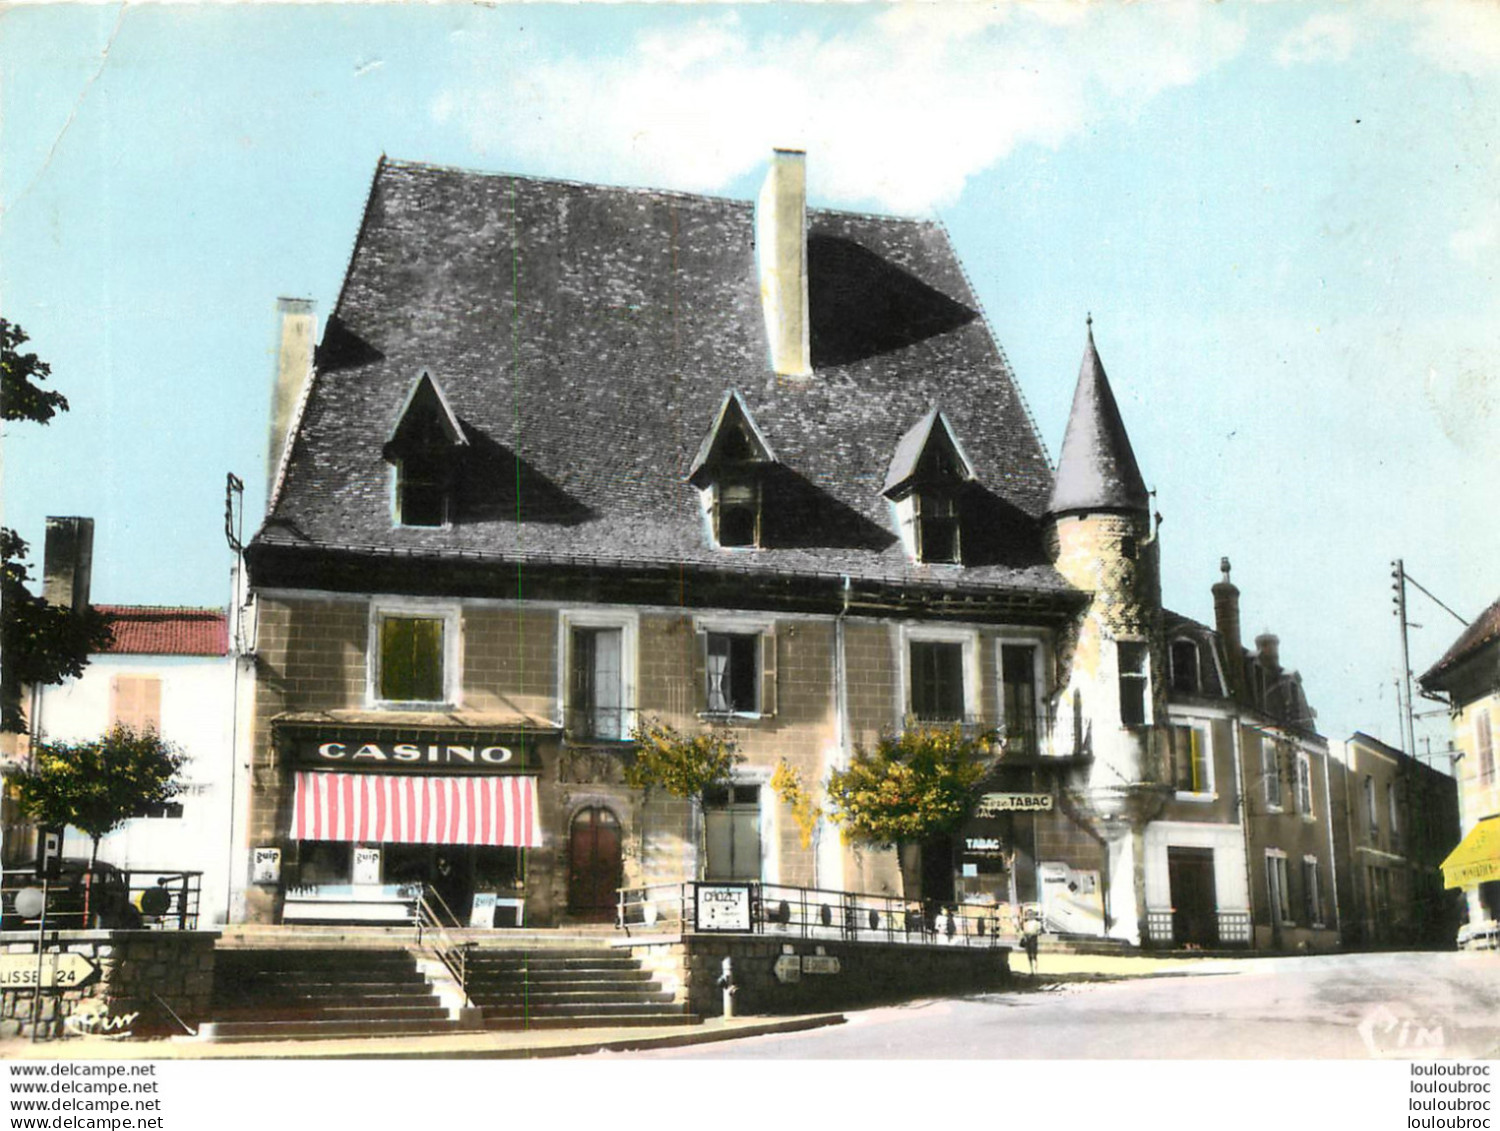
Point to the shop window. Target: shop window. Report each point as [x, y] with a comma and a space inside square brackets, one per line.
[135, 702]
[1484, 748]
[1312, 906]
[937, 681]
[325, 862]
[733, 673]
[411, 659]
[1278, 889]
[1304, 785]
[1192, 769]
[1018, 685]
[596, 683]
[731, 817]
[1186, 677]
[1270, 769]
[1134, 681]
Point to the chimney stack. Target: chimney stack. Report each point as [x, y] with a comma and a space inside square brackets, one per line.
[781, 257]
[294, 361]
[68, 562]
[1227, 620]
[1268, 648]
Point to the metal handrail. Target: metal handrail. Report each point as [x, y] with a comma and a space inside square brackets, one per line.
[78, 898]
[813, 913]
[453, 955]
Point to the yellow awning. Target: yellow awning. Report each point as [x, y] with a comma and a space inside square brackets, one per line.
[1476, 860]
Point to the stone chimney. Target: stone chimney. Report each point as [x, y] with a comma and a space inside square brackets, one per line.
[294, 361]
[1227, 620]
[68, 562]
[1268, 648]
[781, 259]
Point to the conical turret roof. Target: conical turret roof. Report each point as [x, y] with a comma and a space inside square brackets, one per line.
[1097, 470]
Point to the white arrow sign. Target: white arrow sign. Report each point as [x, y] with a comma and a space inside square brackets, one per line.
[58, 971]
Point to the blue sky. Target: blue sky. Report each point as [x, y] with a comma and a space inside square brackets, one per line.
[1283, 217]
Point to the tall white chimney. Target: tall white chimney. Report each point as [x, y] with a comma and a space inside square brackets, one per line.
[294, 360]
[781, 256]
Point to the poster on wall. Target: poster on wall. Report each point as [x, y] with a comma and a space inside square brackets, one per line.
[265, 866]
[366, 865]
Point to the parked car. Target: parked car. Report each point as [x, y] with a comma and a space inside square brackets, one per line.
[78, 897]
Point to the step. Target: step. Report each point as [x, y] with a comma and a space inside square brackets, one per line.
[429, 1012]
[561, 973]
[589, 1021]
[311, 959]
[318, 1030]
[510, 996]
[592, 1008]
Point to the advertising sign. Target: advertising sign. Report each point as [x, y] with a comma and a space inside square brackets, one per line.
[265, 866]
[992, 803]
[366, 865]
[482, 910]
[485, 755]
[722, 907]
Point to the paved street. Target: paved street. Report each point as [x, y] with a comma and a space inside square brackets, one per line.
[1286, 1008]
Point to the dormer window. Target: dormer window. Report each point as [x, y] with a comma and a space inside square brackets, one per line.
[925, 482]
[424, 449]
[730, 471]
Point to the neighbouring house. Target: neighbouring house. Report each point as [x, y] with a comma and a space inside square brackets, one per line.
[1396, 819]
[568, 457]
[1467, 678]
[168, 669]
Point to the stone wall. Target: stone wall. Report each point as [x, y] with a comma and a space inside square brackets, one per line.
[138, 972]
[868, 973]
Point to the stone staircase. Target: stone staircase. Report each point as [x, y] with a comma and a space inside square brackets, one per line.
[264, 994]
[581, 986]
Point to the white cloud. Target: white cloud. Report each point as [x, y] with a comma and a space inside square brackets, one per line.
[1461, 35]
[1478, 240]
[1327, 37]
[898, 106]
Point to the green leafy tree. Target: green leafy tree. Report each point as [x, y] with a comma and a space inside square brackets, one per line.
[39, 643]
[97, 786]
[911, 787]
[684, 766]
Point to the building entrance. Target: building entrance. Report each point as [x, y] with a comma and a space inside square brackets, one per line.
[1195, 915]
[594, 869]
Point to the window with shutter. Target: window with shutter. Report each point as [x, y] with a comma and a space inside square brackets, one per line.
[135, 702]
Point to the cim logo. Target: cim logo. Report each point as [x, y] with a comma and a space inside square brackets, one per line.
[408, 753]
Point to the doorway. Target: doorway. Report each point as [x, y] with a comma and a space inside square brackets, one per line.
[594, 867]
[1195, 902]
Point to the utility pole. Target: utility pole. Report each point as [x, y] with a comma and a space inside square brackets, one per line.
[1398, 585]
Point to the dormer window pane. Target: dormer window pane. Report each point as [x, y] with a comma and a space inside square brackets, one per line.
[937, 527]
[738, 514]
[422, 490]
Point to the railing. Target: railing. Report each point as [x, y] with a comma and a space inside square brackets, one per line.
[107, 898]
[428, 912]
[776, 910]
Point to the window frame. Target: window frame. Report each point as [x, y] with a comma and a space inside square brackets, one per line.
[1039, 690]
[1372, 817]
[1143, 676]
[441, 483]
[628, 626]
[449, 613]
[732, 806]
[1312, 892]
[143, 691]
[1484, 747]
[1269, 747]
[929, 498]
[968, 642]
[1204, 734]
[1173, 678]
[1278, 887]
[1304, 786]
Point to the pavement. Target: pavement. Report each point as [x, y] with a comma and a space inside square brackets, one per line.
[1053, 969]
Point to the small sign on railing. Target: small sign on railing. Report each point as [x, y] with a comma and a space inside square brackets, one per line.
[722, 907]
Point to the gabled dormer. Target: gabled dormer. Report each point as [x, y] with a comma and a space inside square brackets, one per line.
[424, 449]
[730, 471]
[926, 481]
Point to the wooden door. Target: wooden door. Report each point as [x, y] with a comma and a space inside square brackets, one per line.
[593, 864]
[1195, 915]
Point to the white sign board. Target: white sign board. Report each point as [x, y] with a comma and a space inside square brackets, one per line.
[992, 803]
[366, 865]
[265, 866]
[788, 969]
[58, 971]
[820, 964]
[482, 911]
[722, 907]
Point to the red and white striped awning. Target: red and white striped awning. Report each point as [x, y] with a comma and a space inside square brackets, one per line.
[417, 809]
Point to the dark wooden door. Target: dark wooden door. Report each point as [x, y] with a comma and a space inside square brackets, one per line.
[593, 864]
[1195, 916]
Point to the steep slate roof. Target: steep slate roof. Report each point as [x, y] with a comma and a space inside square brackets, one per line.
[158, 630]
[1484, 630]
[1097, 468]
[586, 337]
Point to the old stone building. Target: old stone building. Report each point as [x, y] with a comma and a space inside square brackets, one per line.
[571, 457]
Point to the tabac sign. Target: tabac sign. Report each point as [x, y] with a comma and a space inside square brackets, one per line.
[992, 803]
[485, 756]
